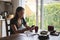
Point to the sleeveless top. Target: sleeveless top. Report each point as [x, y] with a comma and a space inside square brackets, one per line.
[14, 22]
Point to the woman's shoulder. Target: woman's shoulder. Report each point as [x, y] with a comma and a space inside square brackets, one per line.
[13, 21]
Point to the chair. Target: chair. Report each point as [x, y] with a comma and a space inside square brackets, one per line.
[7, 22]
[7, 27]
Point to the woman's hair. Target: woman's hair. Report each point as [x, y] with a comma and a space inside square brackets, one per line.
[17, 10]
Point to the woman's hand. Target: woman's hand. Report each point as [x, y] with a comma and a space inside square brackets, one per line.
[30, 28]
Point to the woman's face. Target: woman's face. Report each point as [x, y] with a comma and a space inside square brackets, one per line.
[21, 13]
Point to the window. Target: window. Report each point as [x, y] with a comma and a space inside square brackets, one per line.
[52, 13]
[32, 11]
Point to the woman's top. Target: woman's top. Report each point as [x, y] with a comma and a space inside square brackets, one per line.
[14, 22]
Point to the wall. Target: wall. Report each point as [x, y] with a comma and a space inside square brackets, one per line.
[1, 7]
[15, 4]
[1, 10]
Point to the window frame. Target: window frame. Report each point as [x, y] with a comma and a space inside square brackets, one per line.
[42, 15]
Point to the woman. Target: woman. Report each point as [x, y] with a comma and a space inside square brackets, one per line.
[18, 24]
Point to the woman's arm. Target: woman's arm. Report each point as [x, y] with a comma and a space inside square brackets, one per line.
[31, 28]
[18, 31]
[25, 24]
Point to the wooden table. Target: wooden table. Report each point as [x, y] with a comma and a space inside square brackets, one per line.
[25, 37]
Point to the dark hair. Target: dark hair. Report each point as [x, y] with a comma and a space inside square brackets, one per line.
[17, 10]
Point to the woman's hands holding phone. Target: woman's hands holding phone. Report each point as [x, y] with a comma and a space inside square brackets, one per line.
[31, 28]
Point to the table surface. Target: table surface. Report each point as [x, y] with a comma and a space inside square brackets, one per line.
[27, 37]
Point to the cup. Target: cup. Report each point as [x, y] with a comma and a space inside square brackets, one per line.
[36, 29]
[50, 28]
